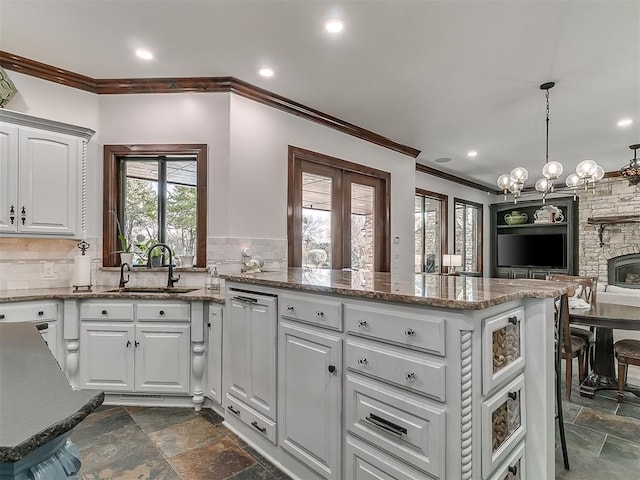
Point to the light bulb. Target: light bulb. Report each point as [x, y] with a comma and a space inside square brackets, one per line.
[542, 185]
[552, 170]
[503, 181]
[586, 168]
[599, 175]
[573, 181]
[514, 187]
[519, 174]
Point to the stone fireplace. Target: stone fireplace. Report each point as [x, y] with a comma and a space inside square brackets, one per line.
[624, 271]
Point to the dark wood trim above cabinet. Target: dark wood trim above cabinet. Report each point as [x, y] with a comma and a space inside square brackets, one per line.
[110, 86]
[452, 178]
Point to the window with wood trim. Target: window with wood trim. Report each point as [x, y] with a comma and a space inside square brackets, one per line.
[155, 193]
[338, 213]
[430, 230]
[467, 237]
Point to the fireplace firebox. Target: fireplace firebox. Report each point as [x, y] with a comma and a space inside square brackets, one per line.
[624, 270]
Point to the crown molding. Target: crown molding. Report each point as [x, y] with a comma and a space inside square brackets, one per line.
[195, 84]
[452, 178]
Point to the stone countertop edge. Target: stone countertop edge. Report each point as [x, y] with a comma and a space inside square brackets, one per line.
[18, 452]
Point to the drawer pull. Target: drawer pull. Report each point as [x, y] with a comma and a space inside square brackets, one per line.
[386, 425]
[319, 314]
[513, 320]
[513, 470]
[104, 312]
[40, 313]
[245, 299]
[136, 343]
[410, 377]
[512, 395]
[128, 343]
[289, 308]
[258, 427]
[410, 332]
[331, 368]
[233, 410]
[363, 324]
[363, 362]
[1, 316]
[161, 312]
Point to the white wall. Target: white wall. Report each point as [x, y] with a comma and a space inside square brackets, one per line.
[455, 190]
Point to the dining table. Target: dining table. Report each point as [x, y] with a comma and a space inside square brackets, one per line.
[605, 317]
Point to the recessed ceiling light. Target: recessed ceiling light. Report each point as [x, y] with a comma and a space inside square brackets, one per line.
[442, 160]
[625, 122]
[472, 153]
[144, 54]
[266, 72]
[334, 25]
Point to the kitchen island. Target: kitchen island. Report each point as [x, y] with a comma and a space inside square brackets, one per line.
[38, 408]
[350, 375]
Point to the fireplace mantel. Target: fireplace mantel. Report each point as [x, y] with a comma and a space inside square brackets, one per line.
[602, 222]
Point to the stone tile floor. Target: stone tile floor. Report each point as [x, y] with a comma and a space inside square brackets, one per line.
[160, 443]
[603, 437]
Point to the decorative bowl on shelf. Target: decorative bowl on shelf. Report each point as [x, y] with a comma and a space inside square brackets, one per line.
[515, 218]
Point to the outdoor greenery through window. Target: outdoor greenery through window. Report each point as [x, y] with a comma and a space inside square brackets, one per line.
[430, 231]
[468, 234]
[159, 195]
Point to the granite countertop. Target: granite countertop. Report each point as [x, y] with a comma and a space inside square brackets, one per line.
[106, 292]
[457, 292]
[36, 402]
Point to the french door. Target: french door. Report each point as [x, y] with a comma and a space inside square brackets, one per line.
[338, 213]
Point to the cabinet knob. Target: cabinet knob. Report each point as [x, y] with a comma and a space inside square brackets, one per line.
[319, 314]
[410, 377]
[513, 470]
[363, 362]
[513, 320]
[289, 308]
[40, 313]
[104, 312]
[331, 368]
[363, 324]
[410, 332]
[161, 312]
[1, 316]
[512, 395]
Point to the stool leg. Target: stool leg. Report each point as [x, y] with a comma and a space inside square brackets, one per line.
[622, 367]
[568, 367]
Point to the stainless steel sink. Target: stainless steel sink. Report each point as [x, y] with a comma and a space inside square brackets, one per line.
[151, 290]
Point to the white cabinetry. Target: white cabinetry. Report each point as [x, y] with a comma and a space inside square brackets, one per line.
[142, 347]
[42, 176]
[310, 396]
[214, 354]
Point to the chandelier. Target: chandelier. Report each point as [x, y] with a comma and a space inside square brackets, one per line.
[631, 171]
[587, 172]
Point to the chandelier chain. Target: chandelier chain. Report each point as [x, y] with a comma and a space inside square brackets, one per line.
[547, 120]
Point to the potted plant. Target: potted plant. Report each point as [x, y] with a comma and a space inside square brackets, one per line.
[126, 255]
[156, 257]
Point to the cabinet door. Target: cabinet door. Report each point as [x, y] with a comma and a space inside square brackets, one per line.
[310, 378]
[106, 356]
[162, 357]
[8, 178]
[214, 355]
[519, 273]
[48, 182]
[251, 339]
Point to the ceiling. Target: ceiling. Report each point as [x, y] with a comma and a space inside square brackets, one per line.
[444, 77]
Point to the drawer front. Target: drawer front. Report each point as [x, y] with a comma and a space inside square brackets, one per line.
[503, 424]
[408, 328]
[112, 311]
[261, 424]
[503, 355]
[310, 309]
[410, 370]
[397, 422]
[514, 468]
[28, 312]
[364, 462]
[158, 312]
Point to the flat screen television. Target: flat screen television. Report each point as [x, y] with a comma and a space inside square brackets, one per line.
[532, 250]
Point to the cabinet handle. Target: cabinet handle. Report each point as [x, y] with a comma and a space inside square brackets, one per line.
[363, 362]
[23, 215]
[1, 316]
[363, 324]
[289, 308]
[513, 470]
[104, 312]
[512, 395]
[410, 332]
[319, 314]
[40, 313]
[410, 377]
[12, 214]
[136, 343]
[261, 429]
[513, 320]
[331, 368]
[386, 425]
[161, 312]
[128, 343]
[233, 410]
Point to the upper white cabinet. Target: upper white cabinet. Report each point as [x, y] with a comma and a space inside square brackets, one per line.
[42, 176]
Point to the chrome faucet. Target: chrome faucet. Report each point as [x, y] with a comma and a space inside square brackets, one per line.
[123, 282]
[170, 280]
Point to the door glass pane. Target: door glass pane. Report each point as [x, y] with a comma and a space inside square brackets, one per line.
[467, 235]
[181, 207]
[141, 205]
[419, 233]
[316, 221]
[432, 234]
[362, 227]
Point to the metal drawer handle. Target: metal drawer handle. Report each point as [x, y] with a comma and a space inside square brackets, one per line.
[137, 343]
[104, 312]
[289, 308]
[363, 324]
[128, 343]
[513, 320]
[410, 332]
[513, 470]
[363, 362]
[161, 312]
[40, 313]
[261, 429]
[319, 314]
[245, 299]
[410, 377]
[1, 316]
[331, 368]
[512, 395]
[386, 425]
[23, 215]
[233, 410]
[12, 214]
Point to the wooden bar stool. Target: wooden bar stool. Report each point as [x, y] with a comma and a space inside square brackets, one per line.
[628, 353]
